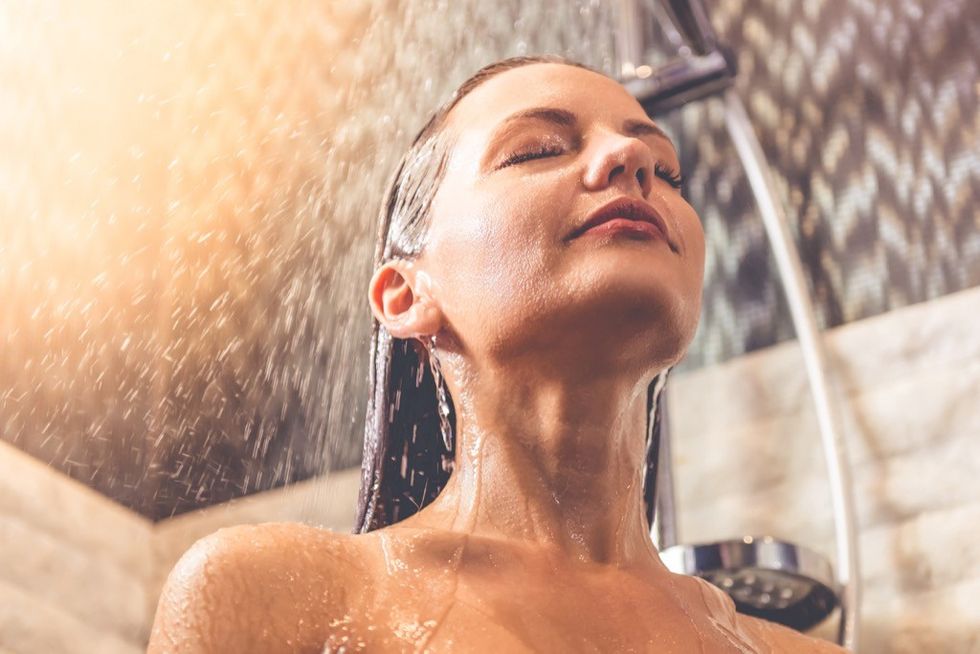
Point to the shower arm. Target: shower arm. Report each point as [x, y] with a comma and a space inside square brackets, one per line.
[688, 79]
[681, 81]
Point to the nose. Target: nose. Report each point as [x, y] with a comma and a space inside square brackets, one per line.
[620, 160]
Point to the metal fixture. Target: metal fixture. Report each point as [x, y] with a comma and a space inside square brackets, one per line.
[682, 81]
[691, 20]
[767, 578]
[779, 581]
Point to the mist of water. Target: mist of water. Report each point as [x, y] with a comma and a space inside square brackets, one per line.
[189, 198]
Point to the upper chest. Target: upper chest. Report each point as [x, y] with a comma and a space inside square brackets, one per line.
[491, 602]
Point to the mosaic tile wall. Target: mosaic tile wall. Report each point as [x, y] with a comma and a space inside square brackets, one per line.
[867, 112]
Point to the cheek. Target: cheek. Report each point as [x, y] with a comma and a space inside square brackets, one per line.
[695, 241]
[494, 249]
[694, 265]
[488, 238]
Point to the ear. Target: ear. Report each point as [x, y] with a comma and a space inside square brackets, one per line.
[400, 300]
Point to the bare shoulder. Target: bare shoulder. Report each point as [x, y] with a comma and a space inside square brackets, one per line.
[784, 639]
[251, 588]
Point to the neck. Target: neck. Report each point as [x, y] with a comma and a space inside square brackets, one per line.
[551, 464]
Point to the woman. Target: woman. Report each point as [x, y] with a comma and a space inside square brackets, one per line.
[537, 255]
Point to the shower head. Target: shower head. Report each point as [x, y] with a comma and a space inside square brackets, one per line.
[767, 578]
[691, 20]
[706, 69]
[682, 80]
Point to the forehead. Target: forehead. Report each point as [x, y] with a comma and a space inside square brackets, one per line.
[590, 95]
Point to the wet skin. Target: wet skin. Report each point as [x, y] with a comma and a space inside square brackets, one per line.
[292, 588]
[539, 541]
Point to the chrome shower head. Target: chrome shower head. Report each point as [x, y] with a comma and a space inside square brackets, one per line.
[765, 577]
[691, 20]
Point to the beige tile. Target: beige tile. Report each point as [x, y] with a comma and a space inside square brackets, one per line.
[909, 340]
[865, 354]
[914, 410]
[30, 625]
[72, 512]
[86, 584]
[888, 491]
[798, 512]
[943, 620]
[931, 551]
[920, 481]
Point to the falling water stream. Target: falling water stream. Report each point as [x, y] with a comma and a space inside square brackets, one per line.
[190, 198]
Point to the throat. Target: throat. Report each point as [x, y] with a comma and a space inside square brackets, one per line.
[588, 517]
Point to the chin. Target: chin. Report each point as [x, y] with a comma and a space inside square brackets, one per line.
[624, 322]
[615, 308]
[659, 301]
[659, 340]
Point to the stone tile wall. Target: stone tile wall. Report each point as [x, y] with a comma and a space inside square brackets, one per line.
[74, 565]
[748, 461]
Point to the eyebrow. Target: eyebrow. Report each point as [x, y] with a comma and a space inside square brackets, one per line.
[631, 126]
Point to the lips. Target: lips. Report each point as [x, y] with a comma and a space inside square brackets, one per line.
[630, 209]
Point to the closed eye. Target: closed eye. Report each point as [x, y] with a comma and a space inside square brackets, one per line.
[670, 176]
[535, 153]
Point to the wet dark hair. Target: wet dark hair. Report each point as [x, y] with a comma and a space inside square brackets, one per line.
[406, 463]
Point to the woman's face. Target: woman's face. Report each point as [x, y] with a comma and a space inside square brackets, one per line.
[538, 149]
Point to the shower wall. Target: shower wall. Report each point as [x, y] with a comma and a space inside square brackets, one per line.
[187, 203]
[868, 115]
[748, 461]
[189, 197]
[74, 565]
